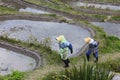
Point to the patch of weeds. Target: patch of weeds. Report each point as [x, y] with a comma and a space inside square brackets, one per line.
[7, 10]
[53, 15]
[15, 75]
[117, 18]
[108, 44]
[113, 65]
[85, 72]
[44, 48]
[100, 17]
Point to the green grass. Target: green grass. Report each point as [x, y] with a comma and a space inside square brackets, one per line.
[58, 5]
[100, 17]
[85, 72]
[105, 1]
[108, 44]
[117, 18]
[111, 1]
[15, 75]
[113, 65]
[96, 9]
[6, 10]
[42, 47]
[52, 57]
[54, 4]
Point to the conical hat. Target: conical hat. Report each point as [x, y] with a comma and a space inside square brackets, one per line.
[87, 40]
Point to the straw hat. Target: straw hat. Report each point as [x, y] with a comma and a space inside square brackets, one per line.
[87, 40]
[59, 38]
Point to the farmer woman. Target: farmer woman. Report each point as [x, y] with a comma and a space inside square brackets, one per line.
[92, 48]
[64, 47]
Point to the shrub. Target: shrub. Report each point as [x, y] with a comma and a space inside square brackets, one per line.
[85, 72]
[16, 75]
[116, 18]
[113, 65]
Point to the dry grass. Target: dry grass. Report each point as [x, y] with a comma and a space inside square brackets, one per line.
[38, 74]
[108, 57]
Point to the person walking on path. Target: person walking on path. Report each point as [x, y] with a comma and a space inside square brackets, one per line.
[64, 47]
[92, 48]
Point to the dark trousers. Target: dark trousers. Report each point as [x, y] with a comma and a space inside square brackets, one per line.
[66, 62]
[95, 54]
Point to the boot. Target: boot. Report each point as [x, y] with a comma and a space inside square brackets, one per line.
[96, 59]
[88, 58]
[94, 54]
[68, 60]
[66, 63]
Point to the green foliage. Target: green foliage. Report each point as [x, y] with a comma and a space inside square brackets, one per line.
[85, 72]
[113, 65]
[43, 47]
[108, 44]
[13, 41]
[106, 1]
[112, 43]
[116, 18]
[47, 43]
[54, 4]
[53, 15]
[16, 75]
[112, 1]
[7, 10]
[58, 5]
[92, 8]
[98, 16]
[23, 44]
[3, 8]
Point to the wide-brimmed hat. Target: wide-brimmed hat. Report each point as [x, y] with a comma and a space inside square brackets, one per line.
[59, 38]
[87, 40]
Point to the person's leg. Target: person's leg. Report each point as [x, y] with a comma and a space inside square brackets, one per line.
[68, 60]
[88, 54]
[65, 57]
[96, 56]
[66, 63]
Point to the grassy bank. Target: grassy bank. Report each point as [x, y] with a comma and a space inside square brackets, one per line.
[104, 1]
[43, 48]
[52, 63]
[58, 5]
[6, 10]
[109, 50]
[10, 11]
[84, 72]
